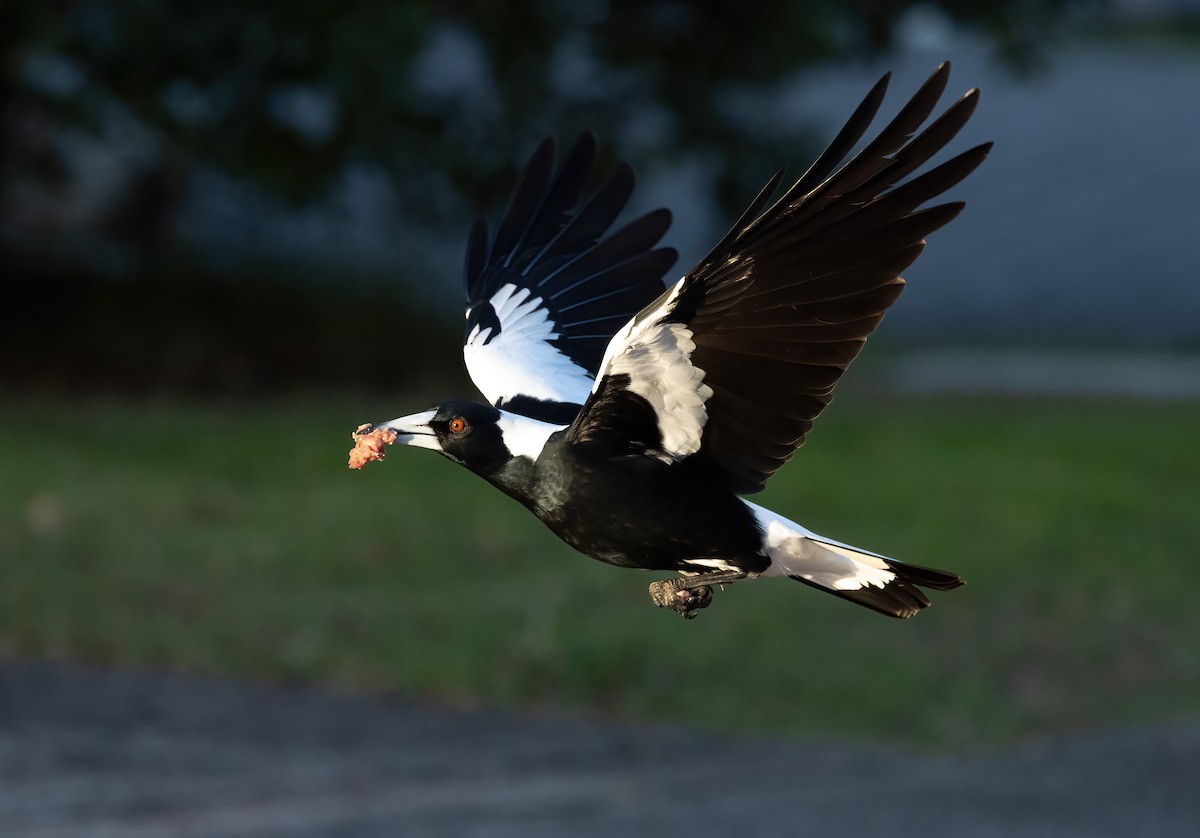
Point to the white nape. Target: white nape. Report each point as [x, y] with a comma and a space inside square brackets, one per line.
[525, 437]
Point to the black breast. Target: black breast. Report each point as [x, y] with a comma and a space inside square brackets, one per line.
[635, 511]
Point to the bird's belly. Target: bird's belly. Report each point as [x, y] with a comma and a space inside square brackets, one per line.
[659, 530]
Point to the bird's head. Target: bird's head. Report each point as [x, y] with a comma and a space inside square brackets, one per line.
[478, 436]
[466, 432]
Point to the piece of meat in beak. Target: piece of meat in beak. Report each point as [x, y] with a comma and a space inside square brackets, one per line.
[370, 440]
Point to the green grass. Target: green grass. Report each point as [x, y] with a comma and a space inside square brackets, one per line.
[233, 540]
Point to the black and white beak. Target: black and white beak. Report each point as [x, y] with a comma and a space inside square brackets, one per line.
[412, 430]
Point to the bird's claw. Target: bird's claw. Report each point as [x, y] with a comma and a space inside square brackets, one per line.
[686, 602]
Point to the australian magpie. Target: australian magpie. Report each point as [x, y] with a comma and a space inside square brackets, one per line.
[632, 421]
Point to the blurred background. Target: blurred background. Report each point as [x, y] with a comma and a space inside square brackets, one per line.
[231, 232]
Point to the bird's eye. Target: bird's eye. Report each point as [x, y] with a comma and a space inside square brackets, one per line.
[457, 425]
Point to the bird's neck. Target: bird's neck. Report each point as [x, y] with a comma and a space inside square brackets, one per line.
[523, 474]
[516, 478]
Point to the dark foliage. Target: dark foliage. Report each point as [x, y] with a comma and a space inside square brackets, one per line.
[237, 336]
[286, 94]
[445, 98]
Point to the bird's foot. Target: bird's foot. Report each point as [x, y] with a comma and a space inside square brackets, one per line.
[684, 601]
[688, 594]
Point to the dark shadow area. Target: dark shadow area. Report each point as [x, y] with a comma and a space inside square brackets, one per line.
[195, 334]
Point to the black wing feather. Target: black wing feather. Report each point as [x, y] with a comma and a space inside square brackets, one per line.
[550, 246]
[526, 199]
[785, 302]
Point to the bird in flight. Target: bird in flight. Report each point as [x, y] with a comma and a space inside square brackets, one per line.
[632, 421]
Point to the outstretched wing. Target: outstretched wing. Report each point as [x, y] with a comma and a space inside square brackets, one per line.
[546, 294]
[730, 367]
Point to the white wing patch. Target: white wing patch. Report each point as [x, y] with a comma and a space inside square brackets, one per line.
[795, 551]
[521, 360]
[656, 355]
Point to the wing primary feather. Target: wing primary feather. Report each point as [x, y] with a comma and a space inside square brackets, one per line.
[612, 293]
[744, 220]
[903, 200]
[928, 143]
[874, 157]
[665, 256]
[526, 199]
[627, 243]
[841, 198]
[910, 118]
[842, 144]
[597, 215]
[553, 216]
[751, 220]
[577, 323]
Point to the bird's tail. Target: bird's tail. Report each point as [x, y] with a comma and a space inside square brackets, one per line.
[900, 595]
[885, 585]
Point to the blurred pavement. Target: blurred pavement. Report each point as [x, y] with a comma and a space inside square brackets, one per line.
[95, 753]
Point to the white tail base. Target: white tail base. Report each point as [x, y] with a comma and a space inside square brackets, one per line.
[795, 551]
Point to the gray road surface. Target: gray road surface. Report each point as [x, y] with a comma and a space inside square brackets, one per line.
[93, 753]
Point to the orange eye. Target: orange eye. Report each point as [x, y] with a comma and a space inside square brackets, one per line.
[458, 425]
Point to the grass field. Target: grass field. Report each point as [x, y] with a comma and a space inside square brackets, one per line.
[232, 540]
